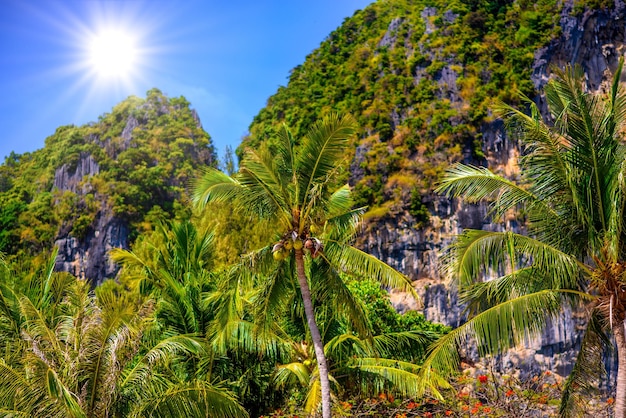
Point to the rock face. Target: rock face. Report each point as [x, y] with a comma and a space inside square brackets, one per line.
[130, 139]
[88, 258]
[67, 179]
[595, 40]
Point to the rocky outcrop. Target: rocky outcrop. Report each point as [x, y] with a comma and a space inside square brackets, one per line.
[69, 178]
[89, 258]
[595, 40]
[127, 133]
[120, 144]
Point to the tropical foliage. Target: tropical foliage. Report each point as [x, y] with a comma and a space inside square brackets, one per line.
[70, 353]
[571, 192]
[132, 164]
[420, 76]
[261, 301]
[477, 392]
[295, 188]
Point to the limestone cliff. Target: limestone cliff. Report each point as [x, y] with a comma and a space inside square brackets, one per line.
[595, 40]
[87, 257]
[131, 171]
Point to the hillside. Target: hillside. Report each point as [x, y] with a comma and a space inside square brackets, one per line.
[100, 185]
[422, 78]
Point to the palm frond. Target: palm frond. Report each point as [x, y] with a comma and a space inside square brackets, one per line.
[287, 374]
[38, 330]
[116, 321]
[230, 328]
[384, 374]
[482, 295]
[343, 227]
[321, 150]
[587, 370]
[13, 386]
[476, 184]
[161, 354]
[588, 126]
[12, 413]
[343, 347]
[275, 293]
[57, 390]
[476, 252]
[286, 151]
[495, 330]
[49, 278]
[615, 233]
[339, 202]
[214, 186]
[353, 261]
[314, 395]
[228, 321]
[545, 167]
[328, 285]
[264, 192]
[199, 399]
[412, 343]
[9, 308]
[132, 260]
[259, 261]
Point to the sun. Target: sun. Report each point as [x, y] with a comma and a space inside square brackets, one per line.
[112, 53]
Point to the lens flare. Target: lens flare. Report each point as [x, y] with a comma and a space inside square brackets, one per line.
[112, 53]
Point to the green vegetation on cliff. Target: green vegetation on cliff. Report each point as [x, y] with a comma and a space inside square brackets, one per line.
[133, 164]
[420, 77]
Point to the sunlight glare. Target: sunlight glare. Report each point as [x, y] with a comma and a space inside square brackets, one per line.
[112, 54]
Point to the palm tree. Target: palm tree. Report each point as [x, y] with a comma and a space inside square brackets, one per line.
[364, 365]
[293, 186]
[68, 353]
[572, 194]
[175, 266]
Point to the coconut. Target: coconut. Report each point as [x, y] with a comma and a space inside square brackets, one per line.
[278, 255]
[288, 245]
[308, 244]
[313, 228]
[297, 244]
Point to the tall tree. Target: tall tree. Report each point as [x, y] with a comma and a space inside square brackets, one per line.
[293, 186]
[175, 267]
[68, 353]
[572, 192]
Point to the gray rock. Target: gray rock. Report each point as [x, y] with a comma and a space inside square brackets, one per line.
[67, 177]
[389, 39]
[127, 133]
[595, 40]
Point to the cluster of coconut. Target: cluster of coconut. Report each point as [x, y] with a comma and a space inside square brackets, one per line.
[292, 241]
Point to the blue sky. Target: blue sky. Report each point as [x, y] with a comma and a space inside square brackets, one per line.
[225, 57]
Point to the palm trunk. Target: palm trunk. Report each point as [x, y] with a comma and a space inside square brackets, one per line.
[315, 333]
[620, 391]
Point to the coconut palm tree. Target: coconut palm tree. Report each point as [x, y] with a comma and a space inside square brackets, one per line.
[175, 266]
[68, 353]
[368, 366]
[293, 186]
[572, 195]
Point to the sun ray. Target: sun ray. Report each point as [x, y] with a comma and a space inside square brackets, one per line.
[112, 53]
